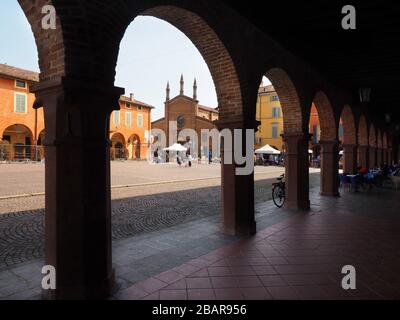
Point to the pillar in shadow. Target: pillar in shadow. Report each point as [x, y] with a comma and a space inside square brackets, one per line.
[350, 158]
[329, 168]
[78, 196]
[237, 208]
[297, 170]
[390, 156]
[372, 157]
[363, 156]
[379, 156]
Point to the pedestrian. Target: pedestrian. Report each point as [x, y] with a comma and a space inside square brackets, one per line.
[156, 156]
[209, 157]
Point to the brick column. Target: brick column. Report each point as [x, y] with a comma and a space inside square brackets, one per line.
[390, 156]
[237, 209]
[363, 156]
[297, 171]
[385, 156]
[350, 158]
[372, 157]
[78, 193]
[329, 168]
[379, 156]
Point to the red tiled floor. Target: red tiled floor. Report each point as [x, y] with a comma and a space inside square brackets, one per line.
[248, 282]
[173, 295]
[299, 258]
[219, 271]
[151, 285]
[311, 292]
[307, 279]
[181, 284]
[273, 281]
[170, 276]
[259, 293]
[200, 274]
[186, 269]
[201, 294]
[228, 294]
[224, 282]
[283, 293]
[198, 283]
[264, 270]
[243, 271]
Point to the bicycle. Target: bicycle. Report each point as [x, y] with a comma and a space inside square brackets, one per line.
[278, 192]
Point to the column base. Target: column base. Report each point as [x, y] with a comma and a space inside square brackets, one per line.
[296, 205]
[98, 291]
[330, 194]
[243, 230]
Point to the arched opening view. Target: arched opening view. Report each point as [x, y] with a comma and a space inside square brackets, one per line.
[186, 150]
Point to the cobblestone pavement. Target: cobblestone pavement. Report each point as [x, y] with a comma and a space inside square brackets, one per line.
[22, 233]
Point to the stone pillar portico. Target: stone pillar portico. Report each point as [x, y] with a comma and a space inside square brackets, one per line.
[385, 156]
[329, 168]
[372, 157]
[363, 156]
[78, 192]
[237, 207]
[297, 170]
[379, 156]
[350, 158]
[390, 156]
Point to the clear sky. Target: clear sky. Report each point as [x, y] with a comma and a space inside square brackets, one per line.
[152, 53]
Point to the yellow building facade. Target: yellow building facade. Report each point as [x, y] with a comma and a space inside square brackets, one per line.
[269, 114]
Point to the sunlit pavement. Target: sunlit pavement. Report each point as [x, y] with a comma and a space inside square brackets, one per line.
[26, 179]
[167, 245]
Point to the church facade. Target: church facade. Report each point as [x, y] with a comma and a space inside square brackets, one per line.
[187, 113]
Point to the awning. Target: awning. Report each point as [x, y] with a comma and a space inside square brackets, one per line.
[268, 150]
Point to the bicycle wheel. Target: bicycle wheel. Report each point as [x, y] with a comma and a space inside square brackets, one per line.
[278, 196]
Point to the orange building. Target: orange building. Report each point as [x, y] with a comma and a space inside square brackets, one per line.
[130, 129]
[22, 128]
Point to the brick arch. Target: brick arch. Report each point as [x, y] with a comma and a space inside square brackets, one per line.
[118, 137]
[372, 136]
[26, 128]
[49, 43]
[214, 52]
[288, 95]
[363, 138]
[329, 130]
[349, 126]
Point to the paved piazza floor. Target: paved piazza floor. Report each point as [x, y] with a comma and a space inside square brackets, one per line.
[167, 243]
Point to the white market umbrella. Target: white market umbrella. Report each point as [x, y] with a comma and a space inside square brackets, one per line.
[176, 148]
[267, 150]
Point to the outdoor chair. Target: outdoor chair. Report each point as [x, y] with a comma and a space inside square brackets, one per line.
[345, 181]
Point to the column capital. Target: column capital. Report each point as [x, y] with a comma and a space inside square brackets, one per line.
[329, 142]
[351, 146]
[74, 91]
[236, 122]
[296, 136]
